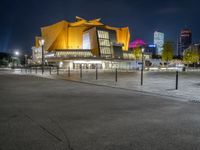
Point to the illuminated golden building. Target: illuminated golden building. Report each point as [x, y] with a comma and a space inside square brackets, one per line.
[83, 39]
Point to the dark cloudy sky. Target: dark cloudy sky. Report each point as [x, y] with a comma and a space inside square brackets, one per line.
[20, 20]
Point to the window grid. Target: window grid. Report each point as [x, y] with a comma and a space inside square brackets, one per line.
[103, 34]
[104, 43]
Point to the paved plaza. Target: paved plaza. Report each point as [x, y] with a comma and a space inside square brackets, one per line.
[41, 113]
[159, 83]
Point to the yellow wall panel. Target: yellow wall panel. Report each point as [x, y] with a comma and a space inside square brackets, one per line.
[123, 36]
[60, 42]
[51, 33]
[75, 37]
[37, 42]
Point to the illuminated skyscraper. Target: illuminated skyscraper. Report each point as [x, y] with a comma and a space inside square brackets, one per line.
[185, 40]
[159, 41]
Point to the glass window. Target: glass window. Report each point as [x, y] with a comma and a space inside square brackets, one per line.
[105, 50]
[103, 34]
[104, 42]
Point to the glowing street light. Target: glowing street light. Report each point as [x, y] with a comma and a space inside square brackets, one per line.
[41, 42]
[15, 58]
[17, 53]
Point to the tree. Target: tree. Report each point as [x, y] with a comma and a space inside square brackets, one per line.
[4, 62]
[187, 57]
[195, 56]
[191, 56]
[137, 53]
[167, 53]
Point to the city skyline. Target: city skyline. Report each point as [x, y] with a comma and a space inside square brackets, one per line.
[21, 20]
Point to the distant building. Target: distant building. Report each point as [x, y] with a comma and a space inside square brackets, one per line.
[5, 59]
[137, 43]
[185, 40]
[159, 41]
[151, 49]
[193, 48]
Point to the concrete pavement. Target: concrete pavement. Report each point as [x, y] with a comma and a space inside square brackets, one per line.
[39, 113]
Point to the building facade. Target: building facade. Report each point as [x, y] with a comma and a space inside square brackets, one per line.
[194, 51]
[159, 41]
[88, 41]
[185, 40]
[151, 49]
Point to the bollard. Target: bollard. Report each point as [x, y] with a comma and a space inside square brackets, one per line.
[68, 71]
[96, 72]
[142, 74]
[116, 75]
[50, 70]
[21, 69]
[30, 69]
[176, 80]
[81, 71]
[26, 70]
[57, 70]
[42, 69]
[36, 70]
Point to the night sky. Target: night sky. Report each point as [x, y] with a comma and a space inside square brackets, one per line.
[21, 19]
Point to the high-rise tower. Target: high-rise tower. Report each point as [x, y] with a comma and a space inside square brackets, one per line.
[159, 41]
[185, 40]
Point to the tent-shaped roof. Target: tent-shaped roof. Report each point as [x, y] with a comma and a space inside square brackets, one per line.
[65, 35]
[137, 43]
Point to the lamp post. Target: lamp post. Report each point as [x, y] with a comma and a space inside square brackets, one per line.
[25, 60]
[96, 71]
[41, 42]
[142, 69]
[16, 54]
[177, 79]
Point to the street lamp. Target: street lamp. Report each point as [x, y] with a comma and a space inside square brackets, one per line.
[41, 42]
[16, 54]
[142, 69]
[25, 60]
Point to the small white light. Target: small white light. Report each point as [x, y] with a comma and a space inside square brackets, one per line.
[16, 53]
[143, 50]
[61, 64]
